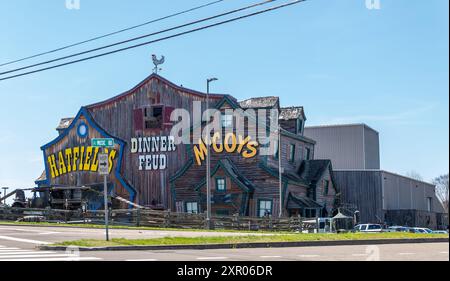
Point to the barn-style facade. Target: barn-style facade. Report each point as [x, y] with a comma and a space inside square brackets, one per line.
[150, 168]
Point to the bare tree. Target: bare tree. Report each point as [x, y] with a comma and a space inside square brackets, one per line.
[441, 183]
[414, 175]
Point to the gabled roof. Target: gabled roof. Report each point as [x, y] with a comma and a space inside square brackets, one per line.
[146, 80]
[64, 123]
[312, 170]
[260, 102]
[231, 171]
[293, 112]
[300, 202]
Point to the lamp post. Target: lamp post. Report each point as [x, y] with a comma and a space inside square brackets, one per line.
[208, 161]
[280, 172]
[4, 194]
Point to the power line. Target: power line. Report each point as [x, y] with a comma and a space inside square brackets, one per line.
[158, 40]
[112, 33]
[140, 37]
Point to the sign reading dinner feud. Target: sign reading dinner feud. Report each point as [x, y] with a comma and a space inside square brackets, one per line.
[152, 151]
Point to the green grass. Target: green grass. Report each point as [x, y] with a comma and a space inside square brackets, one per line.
[100, 226]
[244, 239]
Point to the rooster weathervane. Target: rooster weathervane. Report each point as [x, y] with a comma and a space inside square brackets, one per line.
[157, 62]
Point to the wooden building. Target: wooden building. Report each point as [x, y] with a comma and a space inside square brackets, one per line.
[148, 168]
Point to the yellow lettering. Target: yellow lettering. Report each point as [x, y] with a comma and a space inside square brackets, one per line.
[68, 153]
[200, 153]
[231, 148]
[243, 142]
[87, 161]
[251, 146]
[52, 166]
[81, 158]
[62, 165]
[94, 164]
[76, 155]
[217, 148]
[111, 157]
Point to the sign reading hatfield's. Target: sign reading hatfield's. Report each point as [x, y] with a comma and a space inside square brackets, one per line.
[80, 158]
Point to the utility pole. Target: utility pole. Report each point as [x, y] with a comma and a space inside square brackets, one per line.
[208, 162]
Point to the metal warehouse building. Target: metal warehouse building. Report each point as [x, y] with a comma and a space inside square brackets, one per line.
[379, 196]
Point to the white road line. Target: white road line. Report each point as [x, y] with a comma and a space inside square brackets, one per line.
[56, 259]
[14, 251]
[359, 255]
[8, 249]
[308, 256]
[143, 260]
[270, 257]
[212, 258]
[23, 240]
[39, 232]
[25, 253]
[445, 253]
[406, 254]
[37, 255]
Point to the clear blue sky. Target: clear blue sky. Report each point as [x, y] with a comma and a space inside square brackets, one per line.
[387, 68]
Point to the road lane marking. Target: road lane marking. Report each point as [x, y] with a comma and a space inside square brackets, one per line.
[25, 253]
[143, 260]
[406, 254]
[23, 240]
[445, 253]
[270, 257]
[308, 256]
[7, 249]
[359, 255]
[37, 255]
[212, 258]
[39, 232]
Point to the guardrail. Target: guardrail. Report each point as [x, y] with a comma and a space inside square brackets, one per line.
[152, 218]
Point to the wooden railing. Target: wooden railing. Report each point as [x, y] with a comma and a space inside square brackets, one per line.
[151, 218]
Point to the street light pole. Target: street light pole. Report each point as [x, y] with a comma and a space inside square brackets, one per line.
[4, 194]
[208, 162]
[280, 172]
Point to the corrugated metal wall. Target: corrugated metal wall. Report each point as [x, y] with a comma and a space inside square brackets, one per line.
[353, 146]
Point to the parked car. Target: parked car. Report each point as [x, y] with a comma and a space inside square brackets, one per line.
[398, 229]
[421, 230]
[440, 232]
[369, 227]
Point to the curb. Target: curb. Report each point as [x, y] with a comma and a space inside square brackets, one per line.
[254, 245]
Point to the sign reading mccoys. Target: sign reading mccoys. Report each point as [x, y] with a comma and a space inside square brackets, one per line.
[152, 151]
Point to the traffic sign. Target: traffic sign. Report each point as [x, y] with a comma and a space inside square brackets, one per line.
[103, 165]
[107, 142]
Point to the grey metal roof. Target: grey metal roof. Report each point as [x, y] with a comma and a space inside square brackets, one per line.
[64, 123]
[259, 102]
[293, 112]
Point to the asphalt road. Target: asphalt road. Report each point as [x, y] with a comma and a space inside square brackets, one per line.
[18, 243]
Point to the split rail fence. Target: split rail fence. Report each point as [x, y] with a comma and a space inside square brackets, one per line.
[151, 218]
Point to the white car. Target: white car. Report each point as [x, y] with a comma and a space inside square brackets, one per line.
[369, 227]
[421, 230]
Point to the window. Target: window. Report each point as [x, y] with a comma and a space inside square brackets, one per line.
[221, 184]
[374, 227]
[192, 207]
[265, 208]
[227, 120]
[326, 186]
[292, 153]
[429, 201]
[299, 126]
[308, 153]
[153, 117]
